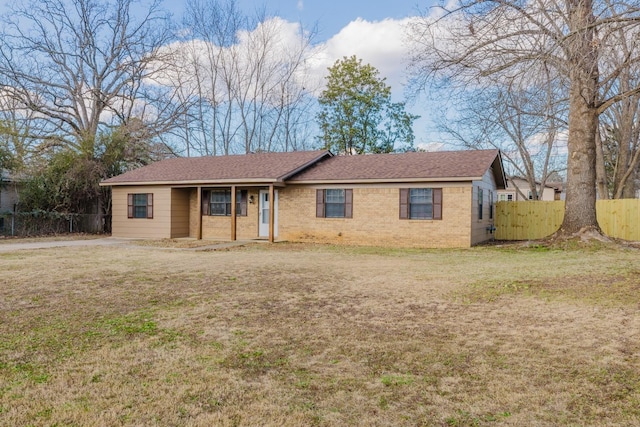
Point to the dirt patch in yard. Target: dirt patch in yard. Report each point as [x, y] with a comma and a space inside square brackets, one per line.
[176, 243]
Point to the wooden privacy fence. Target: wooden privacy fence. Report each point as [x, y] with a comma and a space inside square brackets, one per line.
[527, 220]
[619, 218]
[530, 220]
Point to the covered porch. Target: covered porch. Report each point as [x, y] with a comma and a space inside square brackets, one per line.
[225, 212]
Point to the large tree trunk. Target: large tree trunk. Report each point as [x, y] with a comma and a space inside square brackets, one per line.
[601, 173]
[580, 205]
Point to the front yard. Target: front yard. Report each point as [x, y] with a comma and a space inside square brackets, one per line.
[291, 335]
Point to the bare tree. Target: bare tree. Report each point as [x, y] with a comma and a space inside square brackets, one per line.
[619, 150]
[526, 123]
[15, 140]
[80, 66]
[250, 80]
[508, 39]
[618, 141]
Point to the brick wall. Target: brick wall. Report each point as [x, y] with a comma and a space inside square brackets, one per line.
[219, 227]
[247, 226]
[376, 218]
[194, 213]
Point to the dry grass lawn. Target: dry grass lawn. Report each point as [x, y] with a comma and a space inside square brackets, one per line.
[292, 335]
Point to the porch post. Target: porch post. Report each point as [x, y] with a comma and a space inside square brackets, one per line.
[199, 210]
[233, 213]
[272, 213]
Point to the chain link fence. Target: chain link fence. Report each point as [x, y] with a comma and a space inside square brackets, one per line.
[42, 223]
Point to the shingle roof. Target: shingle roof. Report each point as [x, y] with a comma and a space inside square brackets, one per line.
[317, 166]
[431, 165]
[261, 167]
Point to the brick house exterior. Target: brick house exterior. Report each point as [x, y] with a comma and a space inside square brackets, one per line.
[425, 200]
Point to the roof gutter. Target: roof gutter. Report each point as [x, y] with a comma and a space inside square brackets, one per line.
[384, 181]
[259, 181]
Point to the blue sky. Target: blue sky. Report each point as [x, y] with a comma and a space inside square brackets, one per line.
[330, 15]
[371, 30]
[333, 15]
[374, 31]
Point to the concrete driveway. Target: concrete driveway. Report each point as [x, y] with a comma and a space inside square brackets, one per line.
[10, 246]
[17, 246]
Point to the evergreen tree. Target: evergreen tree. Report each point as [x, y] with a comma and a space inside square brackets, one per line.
[357, 115]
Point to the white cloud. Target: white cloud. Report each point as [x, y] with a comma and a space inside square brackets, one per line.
[275, 43]
[300, 5]
[430, 146]
[379, 43]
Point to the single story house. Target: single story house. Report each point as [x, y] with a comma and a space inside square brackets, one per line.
[9, 189]
[518, 189]
[417, 199]
[9, 196]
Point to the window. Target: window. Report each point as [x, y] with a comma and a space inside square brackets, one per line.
[510, 197]
[421, 203]
[480, 202]
[490, 204]
[140, 205]
[218, 203]
[334, 203]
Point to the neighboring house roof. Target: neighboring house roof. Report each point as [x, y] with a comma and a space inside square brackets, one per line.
[319, 166]
[427, 166]
[259, 168]
[9, 178]
[557, 186]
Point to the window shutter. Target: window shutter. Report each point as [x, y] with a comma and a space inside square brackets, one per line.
[150, 205]
[205, 202]
[348, 203]
[437, 203]
[404, 203]
[319, 203]
[242, 197]
[129, 205]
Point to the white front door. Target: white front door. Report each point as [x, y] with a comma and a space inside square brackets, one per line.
[264, 214]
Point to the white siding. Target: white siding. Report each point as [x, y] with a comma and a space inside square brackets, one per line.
[480, 227]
